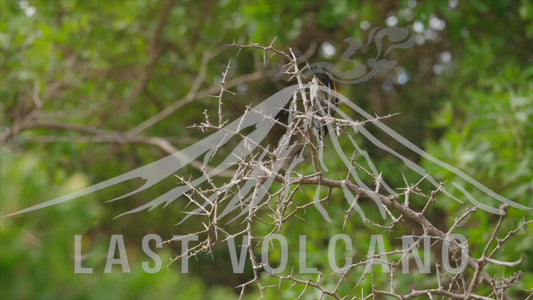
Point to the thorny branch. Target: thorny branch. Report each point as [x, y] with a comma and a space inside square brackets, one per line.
[261, 203]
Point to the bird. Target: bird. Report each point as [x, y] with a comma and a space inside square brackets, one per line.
[324, 101]
[319, 108]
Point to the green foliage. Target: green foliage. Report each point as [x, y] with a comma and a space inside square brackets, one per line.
[37, 253]
[105, 65]
[489, 122]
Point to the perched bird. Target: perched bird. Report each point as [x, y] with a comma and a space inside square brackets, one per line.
[323, 101]
[319, 99]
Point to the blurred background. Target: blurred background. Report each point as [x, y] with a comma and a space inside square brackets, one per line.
[92, 89]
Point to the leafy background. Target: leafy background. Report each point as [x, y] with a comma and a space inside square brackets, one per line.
[464, 92]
